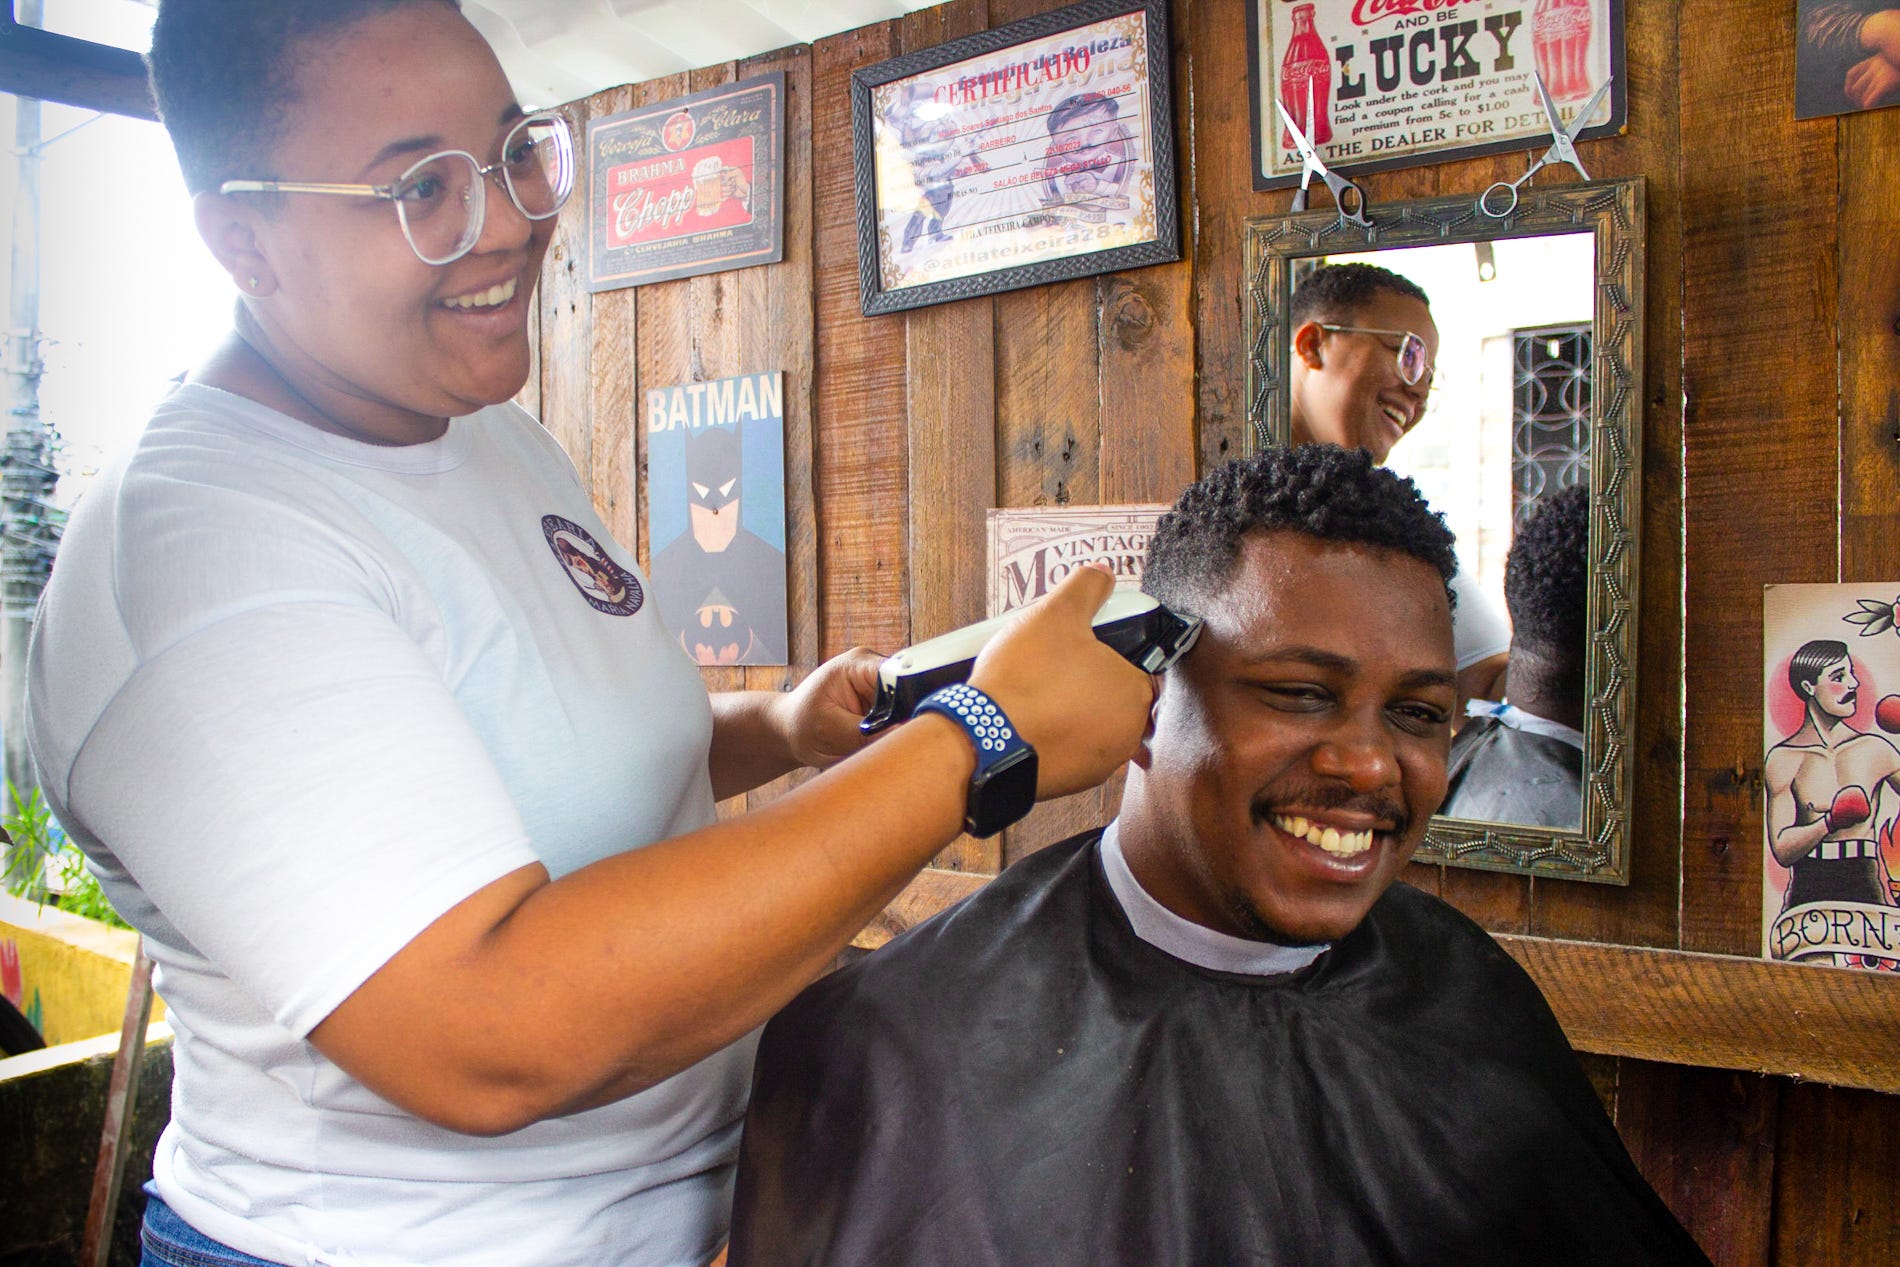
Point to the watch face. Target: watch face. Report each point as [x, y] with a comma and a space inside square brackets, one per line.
[1002, 793]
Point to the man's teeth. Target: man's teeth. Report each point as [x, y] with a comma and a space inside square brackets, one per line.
[493, 297]
[1331, 839]
[1396, 415]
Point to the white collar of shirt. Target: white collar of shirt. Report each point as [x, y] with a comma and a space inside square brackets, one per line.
[1517, 719]
[1184, 939]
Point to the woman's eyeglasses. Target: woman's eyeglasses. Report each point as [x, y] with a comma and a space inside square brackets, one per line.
[440, 202]
[1415, 360]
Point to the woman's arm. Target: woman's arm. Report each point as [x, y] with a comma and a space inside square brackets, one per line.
[532, 999]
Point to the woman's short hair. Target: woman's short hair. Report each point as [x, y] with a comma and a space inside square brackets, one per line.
[1340, 292]
[223, 75]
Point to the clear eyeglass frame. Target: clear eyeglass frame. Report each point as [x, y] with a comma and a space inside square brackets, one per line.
[1413, 357]
[536, 169]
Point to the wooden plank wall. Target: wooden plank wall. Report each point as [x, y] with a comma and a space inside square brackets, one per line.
[1771, 449]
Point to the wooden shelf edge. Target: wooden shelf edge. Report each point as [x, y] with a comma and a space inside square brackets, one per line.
[1836, 1026]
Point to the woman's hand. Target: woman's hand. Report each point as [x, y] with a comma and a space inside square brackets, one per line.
[819, 719]
[760, 735]
[1080, 704]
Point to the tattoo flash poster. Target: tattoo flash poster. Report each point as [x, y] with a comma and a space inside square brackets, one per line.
[1831, 769]
[1401, 82]
[716, 516]
[999, 162]
[1033, 548]
[687, 187]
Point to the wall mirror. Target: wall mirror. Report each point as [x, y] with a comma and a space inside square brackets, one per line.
[1538, 387]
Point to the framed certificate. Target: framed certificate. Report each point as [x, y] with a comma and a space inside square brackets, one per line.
[1031, 153]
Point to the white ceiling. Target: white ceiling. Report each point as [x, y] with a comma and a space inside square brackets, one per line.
[562, 50]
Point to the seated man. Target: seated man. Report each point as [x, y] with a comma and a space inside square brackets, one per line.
[1364, 351]
[1215, 1033]
[1522, 762]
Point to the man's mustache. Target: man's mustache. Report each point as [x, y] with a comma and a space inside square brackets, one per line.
[1328, 796]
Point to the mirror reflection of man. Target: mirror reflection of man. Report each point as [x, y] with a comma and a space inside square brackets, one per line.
[1364, 350]
[1215, 1031]
[1522, 761]
[1826, 785]
[721, 587]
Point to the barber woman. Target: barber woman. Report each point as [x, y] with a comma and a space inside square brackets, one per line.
[417, 825]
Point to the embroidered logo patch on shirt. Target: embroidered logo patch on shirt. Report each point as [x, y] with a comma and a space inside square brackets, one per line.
[603, 583]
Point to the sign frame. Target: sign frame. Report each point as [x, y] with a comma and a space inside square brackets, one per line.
[1263, 67]
[1131, 205]
[646, 164]
[1031, 548]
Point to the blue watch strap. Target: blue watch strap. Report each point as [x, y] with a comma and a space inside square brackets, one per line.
[1003, 788]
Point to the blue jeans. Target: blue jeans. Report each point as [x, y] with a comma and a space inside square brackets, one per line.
[169, 1241]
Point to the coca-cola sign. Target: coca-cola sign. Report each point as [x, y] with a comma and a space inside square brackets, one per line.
[688, 186]
[1366, 12]
[1398, 82]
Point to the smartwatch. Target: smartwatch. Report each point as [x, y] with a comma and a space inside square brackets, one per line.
[1004, 785]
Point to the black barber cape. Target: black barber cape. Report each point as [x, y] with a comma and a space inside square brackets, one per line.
[1023, 1081]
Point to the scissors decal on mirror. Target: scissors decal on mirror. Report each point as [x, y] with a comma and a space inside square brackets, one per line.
[1563, 148]
[1350, 197]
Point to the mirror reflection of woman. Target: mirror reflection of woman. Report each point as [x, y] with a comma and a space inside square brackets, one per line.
[1363, 352]
[461, 968]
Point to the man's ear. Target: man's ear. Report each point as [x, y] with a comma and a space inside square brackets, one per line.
[1306, 341]
[1144, 754]
[229, 229]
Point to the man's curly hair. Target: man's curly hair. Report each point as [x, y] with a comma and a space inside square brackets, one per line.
[1338, 293]
[1547, 572]
[1547, 586]
[1322, 490]
[224, 76]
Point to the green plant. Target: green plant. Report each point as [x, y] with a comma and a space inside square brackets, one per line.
[43, 864]
[32, 840]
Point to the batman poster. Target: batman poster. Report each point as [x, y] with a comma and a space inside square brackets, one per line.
[716, 516]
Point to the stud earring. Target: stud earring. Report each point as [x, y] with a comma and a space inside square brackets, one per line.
[251, 282]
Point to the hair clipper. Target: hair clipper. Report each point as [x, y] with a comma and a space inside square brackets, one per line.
[1148, 635]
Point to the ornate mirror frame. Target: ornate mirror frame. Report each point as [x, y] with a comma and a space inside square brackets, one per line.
[1611, 210]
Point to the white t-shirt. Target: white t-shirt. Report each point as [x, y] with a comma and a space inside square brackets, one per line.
[297, 696]
[1478, 629]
